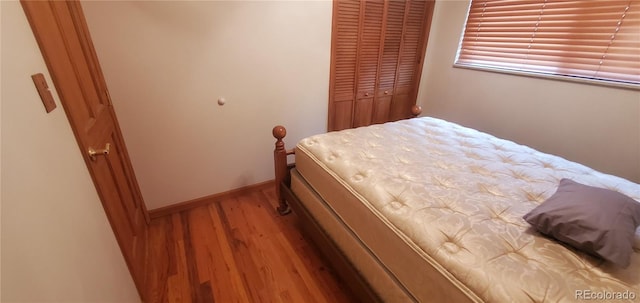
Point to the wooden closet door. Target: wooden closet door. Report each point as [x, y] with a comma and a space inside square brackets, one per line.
[412, 49]
[394, 26]
[368, 57]
[377, 53]
[342, 84]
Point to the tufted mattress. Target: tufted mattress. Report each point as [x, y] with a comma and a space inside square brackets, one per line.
[438, 208]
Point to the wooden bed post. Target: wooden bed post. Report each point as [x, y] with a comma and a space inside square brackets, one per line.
[416, 110]
[281, 168]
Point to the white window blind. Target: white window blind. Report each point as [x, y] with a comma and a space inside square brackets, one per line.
[591, 39]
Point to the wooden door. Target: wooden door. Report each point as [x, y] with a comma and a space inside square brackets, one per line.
[394, 26]
[63, 37]
[377, 55]
[415, 33]
[344, 56]
[371, 29]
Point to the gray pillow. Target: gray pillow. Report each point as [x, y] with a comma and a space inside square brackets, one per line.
[595, 220]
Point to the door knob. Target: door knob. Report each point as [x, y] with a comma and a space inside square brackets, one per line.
[99, 152]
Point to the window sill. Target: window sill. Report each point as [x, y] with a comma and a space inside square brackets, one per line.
[551, 77]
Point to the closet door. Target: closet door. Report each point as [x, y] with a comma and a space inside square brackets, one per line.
[344, 46]
[411, 58]
[377, 53]
[368, 57]
[394, 25]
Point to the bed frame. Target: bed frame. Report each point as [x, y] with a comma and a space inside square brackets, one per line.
[288, 201]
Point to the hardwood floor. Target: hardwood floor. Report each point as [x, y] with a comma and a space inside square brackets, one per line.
[237, 250]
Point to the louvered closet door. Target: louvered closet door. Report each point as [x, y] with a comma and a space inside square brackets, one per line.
[411, 59]
[377, 52]
[346, 23]
[368, 57]
[389, 61]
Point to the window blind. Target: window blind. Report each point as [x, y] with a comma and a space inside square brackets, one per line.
[593, 39]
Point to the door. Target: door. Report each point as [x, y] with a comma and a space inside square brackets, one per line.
[345, 36]
[394, 25]
[63, 37]
[368, 50]
[415, 34]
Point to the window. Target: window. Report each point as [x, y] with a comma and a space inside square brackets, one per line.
[593, 40]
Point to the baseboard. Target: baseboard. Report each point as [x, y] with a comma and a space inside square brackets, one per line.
[178, 207]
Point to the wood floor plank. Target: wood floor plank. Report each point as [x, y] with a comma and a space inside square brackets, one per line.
[236, 250]
[306, 251]
[158, 262]
[281, 247]
[199, 231]
[235, 223]
[190, 257]
[238, 289]
[179, 289]
[261, 251]
[217, 271]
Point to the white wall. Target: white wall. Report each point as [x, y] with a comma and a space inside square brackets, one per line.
[166, 64]
[57, 245]
[594, 125]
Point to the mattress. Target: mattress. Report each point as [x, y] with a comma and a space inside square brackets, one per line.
[389, 289]
[439, 207]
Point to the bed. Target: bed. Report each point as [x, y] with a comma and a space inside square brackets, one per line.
[427, 210]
